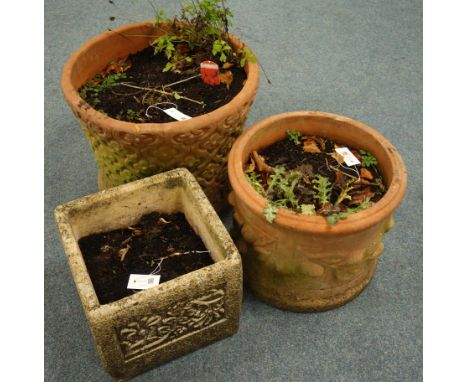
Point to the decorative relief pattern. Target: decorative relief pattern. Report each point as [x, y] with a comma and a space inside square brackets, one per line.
[124, 157]
[149, 332]
[269, 247]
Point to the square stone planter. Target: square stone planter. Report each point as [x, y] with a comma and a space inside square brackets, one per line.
[156, 325]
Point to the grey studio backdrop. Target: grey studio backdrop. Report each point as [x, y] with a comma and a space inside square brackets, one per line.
[358, 58]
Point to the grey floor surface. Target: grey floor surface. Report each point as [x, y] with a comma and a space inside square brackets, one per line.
[359, 58]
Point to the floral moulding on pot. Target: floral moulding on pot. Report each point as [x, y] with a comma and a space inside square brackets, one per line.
[158, 324]
[128, 151]
[304, 263]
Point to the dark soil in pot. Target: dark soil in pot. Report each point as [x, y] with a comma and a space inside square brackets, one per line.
[307, 174]
[123, 89]
[158, 243]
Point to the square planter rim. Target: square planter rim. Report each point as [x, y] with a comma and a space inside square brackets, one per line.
[91, 303]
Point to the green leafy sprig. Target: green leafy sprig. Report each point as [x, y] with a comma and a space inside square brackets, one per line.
[333, 219]
[367, 160]
[294, 136]
[323, 187]
[202, 25]
[92, 89]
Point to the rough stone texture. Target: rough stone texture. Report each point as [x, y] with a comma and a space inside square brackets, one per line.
[127, 151]
[299, 262]
[158, 324]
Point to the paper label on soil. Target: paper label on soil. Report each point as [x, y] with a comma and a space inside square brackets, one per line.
[348, 156]
[209, 65]
[176, 114]
[143, 281]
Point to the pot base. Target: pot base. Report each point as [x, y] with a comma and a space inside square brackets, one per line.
[312, 302]
[298, 291]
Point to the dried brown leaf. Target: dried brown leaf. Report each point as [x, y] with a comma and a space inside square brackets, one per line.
[321, 142]
[123, 252]
[163, 221]
[356, 154]
[339, 158]
[117, 67]
[366, 174]
[359, 197]
[310, 146]
[306, 169]
[361, 182]
[226, 78]
[329, 209]
[135, 231]
[124, 64]
[339, 177]
[260, 163]
[251, 167]
[182, 48]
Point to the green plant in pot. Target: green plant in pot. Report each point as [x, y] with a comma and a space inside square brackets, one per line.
[164, 94]
[308, 224]
[312, 177]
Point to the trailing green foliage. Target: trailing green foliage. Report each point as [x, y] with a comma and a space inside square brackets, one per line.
[294, 136]
[245, 54]
[282, 185]
[221, 47]
[281, 189]
[344, 194]
[287, 186]
[333, 219]
[323, 187]
[165, 43]
[270, 212]
[308, 209]
[202, 26]
[367, 160]
[160, 16]
[275, 178]
[281, 193]
[255, 183]
[302, 188]
[93, 88]
[129, 115]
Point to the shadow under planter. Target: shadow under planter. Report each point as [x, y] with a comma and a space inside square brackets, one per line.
[161, 323]
[127, 151]
[299, 262]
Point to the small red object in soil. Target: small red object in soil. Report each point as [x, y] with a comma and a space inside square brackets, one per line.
[210, 73]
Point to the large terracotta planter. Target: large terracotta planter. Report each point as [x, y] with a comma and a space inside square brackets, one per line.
[300, 262]
[156, 325]
[127, 151]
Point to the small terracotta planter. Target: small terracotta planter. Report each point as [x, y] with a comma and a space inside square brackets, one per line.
[158, 324]
[127, 151]
[300, 262]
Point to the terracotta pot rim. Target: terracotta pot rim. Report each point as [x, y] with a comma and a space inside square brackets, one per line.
[91, 115]
[318, 224]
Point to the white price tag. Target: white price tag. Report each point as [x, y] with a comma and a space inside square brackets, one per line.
[176, 114]
[209, 65]
[143, 281]
[348, 156]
